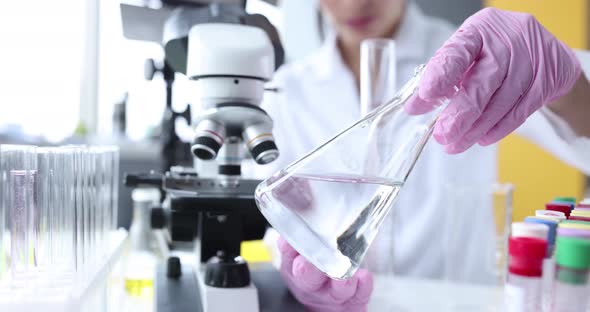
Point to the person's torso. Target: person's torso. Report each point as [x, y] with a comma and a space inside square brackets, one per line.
[319, 98]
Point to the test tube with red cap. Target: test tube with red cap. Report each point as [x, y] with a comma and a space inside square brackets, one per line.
[562, 207]
[524, 283]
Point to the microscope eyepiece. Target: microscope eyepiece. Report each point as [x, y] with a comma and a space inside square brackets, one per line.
[261, 144]
[208, 140]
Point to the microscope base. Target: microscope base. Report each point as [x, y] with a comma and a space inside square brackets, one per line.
[178, 295]
[227, 299]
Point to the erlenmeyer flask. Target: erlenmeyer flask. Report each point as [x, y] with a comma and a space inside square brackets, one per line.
[329, 204]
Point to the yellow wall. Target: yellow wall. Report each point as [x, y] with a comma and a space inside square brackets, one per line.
[538, 176]
[566, 19]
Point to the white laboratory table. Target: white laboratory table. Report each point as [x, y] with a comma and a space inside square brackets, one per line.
[394, 293]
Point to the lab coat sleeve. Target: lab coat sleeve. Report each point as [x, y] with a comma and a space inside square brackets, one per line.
[552, 133]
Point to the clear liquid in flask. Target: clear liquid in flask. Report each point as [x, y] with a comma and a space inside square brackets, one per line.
[330, 219]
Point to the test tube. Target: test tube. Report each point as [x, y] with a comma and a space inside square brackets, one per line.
[87, 204]
[378, 75]
[78, 206]
[19, 170]
[571, 285]
[99, 177]
[46, 189]
[65, 169]
[523, 289]
[467, 204]
[114, 186]
[551, 234]
[3, 229]
[91, 208]
[566, 208]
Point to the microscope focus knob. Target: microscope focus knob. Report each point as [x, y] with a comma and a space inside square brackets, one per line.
[158, 218]
[223, 271]
[173, 268]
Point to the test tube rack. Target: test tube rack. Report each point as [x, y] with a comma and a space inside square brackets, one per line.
[77, 297]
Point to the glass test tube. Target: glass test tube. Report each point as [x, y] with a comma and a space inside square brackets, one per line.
[494, 204]
[115, 187]
[378, 75]
[90, 216]
[99, 177]
[78, 206]
[3, 229]
[377, 86]
[65, 168]
[86, 206]
[46, 205]
[19, 171]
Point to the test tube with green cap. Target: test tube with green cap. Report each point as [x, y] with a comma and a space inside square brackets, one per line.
[571, 286]
[576, 222]
[565, 199]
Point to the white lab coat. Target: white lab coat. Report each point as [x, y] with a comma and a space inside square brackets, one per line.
[319, 98]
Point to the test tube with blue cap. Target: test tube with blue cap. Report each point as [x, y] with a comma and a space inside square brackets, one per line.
[552, 225]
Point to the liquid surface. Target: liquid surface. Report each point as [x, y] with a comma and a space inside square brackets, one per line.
[330, 219]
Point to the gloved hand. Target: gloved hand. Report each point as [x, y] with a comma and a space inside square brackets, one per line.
[318, 292]
[507, 66]
[295, 193]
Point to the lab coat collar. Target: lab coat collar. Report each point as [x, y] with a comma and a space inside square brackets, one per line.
[410, 44]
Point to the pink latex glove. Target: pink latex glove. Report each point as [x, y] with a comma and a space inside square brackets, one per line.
[506, 65]
[318, 292]
[295, 193]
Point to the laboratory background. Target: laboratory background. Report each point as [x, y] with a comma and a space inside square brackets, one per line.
[138, 172]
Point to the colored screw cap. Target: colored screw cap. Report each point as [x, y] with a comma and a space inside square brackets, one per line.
[565, 199]
[535, 230]
[573, 252]
[580, 208]
[585, 234]
[565, 208]
[549, 213]
[552, 218]
[526, 255]
[552, 224]
[575, 222]
[579, 218]
[580, 213]
[575, 226]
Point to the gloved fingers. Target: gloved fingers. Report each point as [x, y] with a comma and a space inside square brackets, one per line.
[364, 288]
[288, 255]
[308, 277]
[418, 106]
[501, 103]
[449, 64]
[479, 85]
[516, 117]
[295, 193]
[343, 290]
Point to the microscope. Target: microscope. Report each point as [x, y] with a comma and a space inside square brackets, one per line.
[230, 55]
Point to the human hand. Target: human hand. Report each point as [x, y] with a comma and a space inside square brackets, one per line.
[318, 292]
[507, 66]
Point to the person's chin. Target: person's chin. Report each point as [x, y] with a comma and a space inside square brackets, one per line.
[359, 36]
